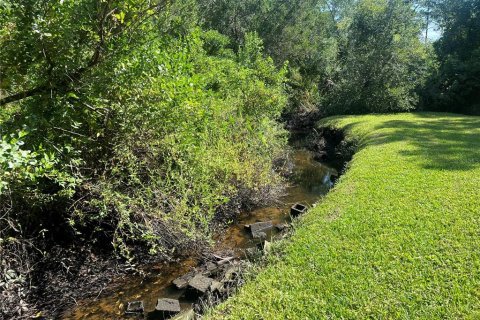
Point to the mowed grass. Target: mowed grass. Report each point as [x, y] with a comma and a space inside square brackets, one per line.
[397, 238]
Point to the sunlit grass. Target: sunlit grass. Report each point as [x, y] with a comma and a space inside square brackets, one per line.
[397, 238]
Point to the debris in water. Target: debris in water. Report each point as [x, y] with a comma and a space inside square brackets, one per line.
[182, 282]
[135, 307]
[298, 209]
[225, 261]
[168, 307]
[258, 229]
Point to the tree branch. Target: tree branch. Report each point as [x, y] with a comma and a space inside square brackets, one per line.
[24, 94]
[96, 58]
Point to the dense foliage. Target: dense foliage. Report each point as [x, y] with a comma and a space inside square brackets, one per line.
[130, 127]
[138, 122]
[454, 84]
[345, 56]
[349, 56]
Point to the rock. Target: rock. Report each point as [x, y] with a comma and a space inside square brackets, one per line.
[216, 286]
[267, 247]
[200, 283]
[210, 269]
[168, 306]
[260, 235]
[298, 209]
[135, 307]
[231, 272]
[182, 282]
[260, 226]
[186, 315]
[258, 229]
[211, 266]
[281, 226]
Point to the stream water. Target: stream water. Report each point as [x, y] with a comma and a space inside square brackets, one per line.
[309, 181]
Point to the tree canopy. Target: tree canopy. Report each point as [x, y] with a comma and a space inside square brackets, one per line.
[454, 83]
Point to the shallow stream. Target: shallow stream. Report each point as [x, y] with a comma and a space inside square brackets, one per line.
[309, 181]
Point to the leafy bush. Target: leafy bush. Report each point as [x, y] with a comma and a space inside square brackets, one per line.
[23, 174]
[148, 144]
[204, 127]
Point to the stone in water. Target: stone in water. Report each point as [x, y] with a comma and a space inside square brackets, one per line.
[200, 283]
[168, 306]
[258, 229]
[135, 307]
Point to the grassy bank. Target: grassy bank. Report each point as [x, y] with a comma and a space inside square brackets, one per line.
[398, 237]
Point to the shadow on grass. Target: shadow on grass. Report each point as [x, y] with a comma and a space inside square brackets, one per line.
[440, 143]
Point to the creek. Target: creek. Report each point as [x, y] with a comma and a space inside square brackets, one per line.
[309, 181]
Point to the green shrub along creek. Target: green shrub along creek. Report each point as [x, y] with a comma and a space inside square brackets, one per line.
[168, 151]
[136, 132]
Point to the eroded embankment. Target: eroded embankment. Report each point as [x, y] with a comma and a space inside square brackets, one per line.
[330, 145]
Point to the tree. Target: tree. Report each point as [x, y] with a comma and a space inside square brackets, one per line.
[344, 55]
[455, 85]
[381, 62]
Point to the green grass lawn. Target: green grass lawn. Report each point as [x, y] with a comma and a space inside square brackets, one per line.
[397, 238]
